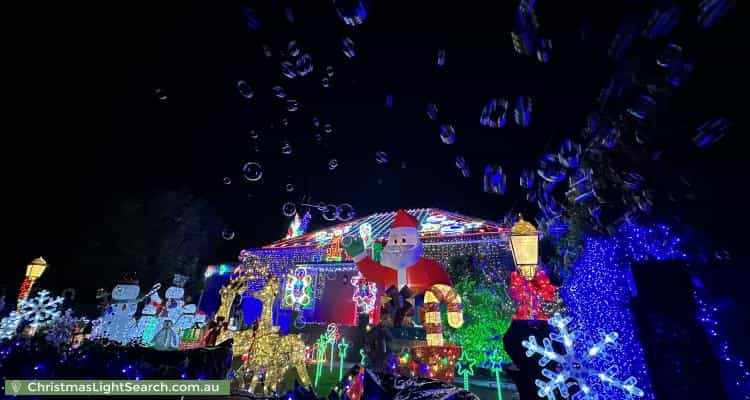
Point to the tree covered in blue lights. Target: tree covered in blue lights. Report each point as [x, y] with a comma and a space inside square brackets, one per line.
[600, 287]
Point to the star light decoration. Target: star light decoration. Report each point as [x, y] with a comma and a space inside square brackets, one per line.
[465, 366]
[40, 309]
[575, 368]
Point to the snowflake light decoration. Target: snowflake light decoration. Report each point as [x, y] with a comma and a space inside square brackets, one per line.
[9, 325]
[40, 309]
[575, 368]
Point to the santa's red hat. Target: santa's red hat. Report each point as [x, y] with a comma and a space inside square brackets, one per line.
[404, 220]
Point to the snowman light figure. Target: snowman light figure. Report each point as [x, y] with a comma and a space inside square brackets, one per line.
[118, 324]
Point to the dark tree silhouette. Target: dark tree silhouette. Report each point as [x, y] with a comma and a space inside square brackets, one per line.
[154, 235]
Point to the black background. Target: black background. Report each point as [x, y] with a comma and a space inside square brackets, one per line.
[86, 128]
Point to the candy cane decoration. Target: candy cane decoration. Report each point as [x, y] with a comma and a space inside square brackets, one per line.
[435, 295]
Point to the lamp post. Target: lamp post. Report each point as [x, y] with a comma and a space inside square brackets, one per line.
[34, 270]
[524, 244]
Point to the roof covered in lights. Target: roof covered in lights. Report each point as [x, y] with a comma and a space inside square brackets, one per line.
[435, 223]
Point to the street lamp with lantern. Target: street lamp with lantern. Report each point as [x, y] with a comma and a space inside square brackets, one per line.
[524, 244]
[34, 270]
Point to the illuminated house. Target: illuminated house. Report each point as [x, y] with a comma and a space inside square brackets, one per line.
[318, 274]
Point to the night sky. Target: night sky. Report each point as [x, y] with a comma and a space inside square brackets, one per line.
[89, 130]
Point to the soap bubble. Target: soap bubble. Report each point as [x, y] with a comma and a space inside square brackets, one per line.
[289, 187]
[292, 105]
[330, 212]
[289, 209]
[227, 234]
[245, 90]
[432, 111]
[254, 134]
[252, 171]
[328, 128]
[267, 51]
[329, 71]
[292, 48]
[332, 164]
[381, 157]
[447, 134]
[347, 46]
[284, 122]
[304, 64]
[460, 162]
[287, 69]
[317, 137]
[315, 122]
[227, 180]
[441, 57]
[161, 94]
[344, 212]
[527, 179]
[325, 82]
[494, 180]
[251, 20]
[279, 92]
[494, 113]
[522, 112]
[289, 15]
[286, 148]
[712, 10]
[352, 12]
[711, 132]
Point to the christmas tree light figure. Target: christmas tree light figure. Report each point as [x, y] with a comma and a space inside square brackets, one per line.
[465, 366]
[495, 361]
[575, 368]
[40, 309]
[343, 347]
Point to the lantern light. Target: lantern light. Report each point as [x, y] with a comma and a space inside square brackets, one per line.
[524, 244]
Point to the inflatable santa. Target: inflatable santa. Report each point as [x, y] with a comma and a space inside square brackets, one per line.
[401, 262]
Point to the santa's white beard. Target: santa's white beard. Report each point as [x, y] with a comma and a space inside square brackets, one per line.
[394, 257]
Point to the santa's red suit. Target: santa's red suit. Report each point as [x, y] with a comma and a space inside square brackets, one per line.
[418, 276]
